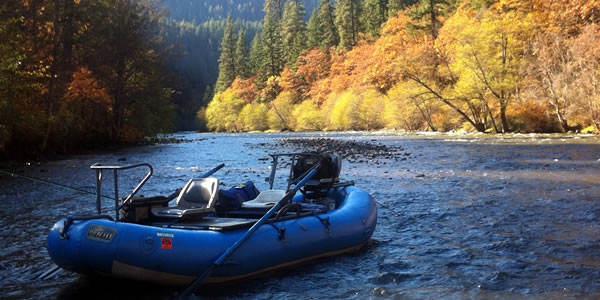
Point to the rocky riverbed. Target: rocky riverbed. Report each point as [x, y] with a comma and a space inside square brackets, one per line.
[358, 151]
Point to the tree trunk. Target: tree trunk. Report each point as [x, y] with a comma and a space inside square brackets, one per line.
[432, 15]
[505, 128]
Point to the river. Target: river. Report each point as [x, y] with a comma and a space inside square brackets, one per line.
[461, 216]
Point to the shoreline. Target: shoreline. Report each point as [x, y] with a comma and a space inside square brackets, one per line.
[12, 161]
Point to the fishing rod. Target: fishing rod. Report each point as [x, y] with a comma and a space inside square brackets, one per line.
[388, 208]
[51, 183]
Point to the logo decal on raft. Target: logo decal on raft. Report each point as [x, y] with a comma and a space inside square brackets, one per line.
[100, 233]
[164, 234]
[166, 244]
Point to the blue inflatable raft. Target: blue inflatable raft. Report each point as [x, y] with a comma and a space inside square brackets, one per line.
[171, 240]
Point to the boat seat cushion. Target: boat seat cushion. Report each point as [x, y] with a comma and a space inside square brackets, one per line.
[196, 200]
[198, 193]
[176, 213]
[265, 199]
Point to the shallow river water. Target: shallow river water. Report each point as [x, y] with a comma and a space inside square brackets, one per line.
[461, 217]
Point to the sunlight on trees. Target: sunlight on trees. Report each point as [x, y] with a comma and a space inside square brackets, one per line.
[222, 112]
[309, 117]
[280, 116]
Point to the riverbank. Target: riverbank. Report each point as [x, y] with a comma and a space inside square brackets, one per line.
[8, 160]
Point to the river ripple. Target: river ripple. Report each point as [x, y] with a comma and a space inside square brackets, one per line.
[473, 217]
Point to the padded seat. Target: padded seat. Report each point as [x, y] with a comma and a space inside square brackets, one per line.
[265, 199]
[196, 200]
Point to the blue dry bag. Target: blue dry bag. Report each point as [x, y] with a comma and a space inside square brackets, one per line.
[233, 198]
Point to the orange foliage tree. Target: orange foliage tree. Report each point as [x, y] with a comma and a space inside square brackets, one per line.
[245, 89]
[85, 110]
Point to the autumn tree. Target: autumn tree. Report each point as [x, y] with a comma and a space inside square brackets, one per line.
[345, 112]
[486, 59]
[371, 110]
[281, 112]
[223, 111]
[403, 57]
[244, 89]
[84, 115]
[312, 66]
[309, 117]
[253, 117]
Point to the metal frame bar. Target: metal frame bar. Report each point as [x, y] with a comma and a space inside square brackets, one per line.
[99, 172]
[294, 157]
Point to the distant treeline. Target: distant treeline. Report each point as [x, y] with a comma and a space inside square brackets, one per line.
[200, 11]
[479, 65]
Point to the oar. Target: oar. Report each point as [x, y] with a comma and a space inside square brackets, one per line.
[200, 279]
[217, 168]
[49, 273]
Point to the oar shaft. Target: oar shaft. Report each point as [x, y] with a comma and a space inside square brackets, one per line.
[217, 168]
[200, 279]
[262, 220]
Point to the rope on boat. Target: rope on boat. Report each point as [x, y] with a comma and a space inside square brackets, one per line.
[52, 183]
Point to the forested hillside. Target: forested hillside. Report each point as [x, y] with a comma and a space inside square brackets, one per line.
[200, 11]
[84, 74]
[440, 65]
[77, 73]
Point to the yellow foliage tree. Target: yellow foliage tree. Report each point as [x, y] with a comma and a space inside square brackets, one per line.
[280, 115]
[486, 58]
[309, 117]
[253, 117]
[345, 112]
[222, 112]
[371, 110]
[399, 112]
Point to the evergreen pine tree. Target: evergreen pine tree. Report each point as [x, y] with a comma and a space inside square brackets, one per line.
[293, 31]
[374, 16]
[272, 60]
[227, 70]
[394, 6]
[241, 56]
[208, 95]
[429, 12]
[255, 54]
[313, 31]
[325, 17]
[347, 20]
